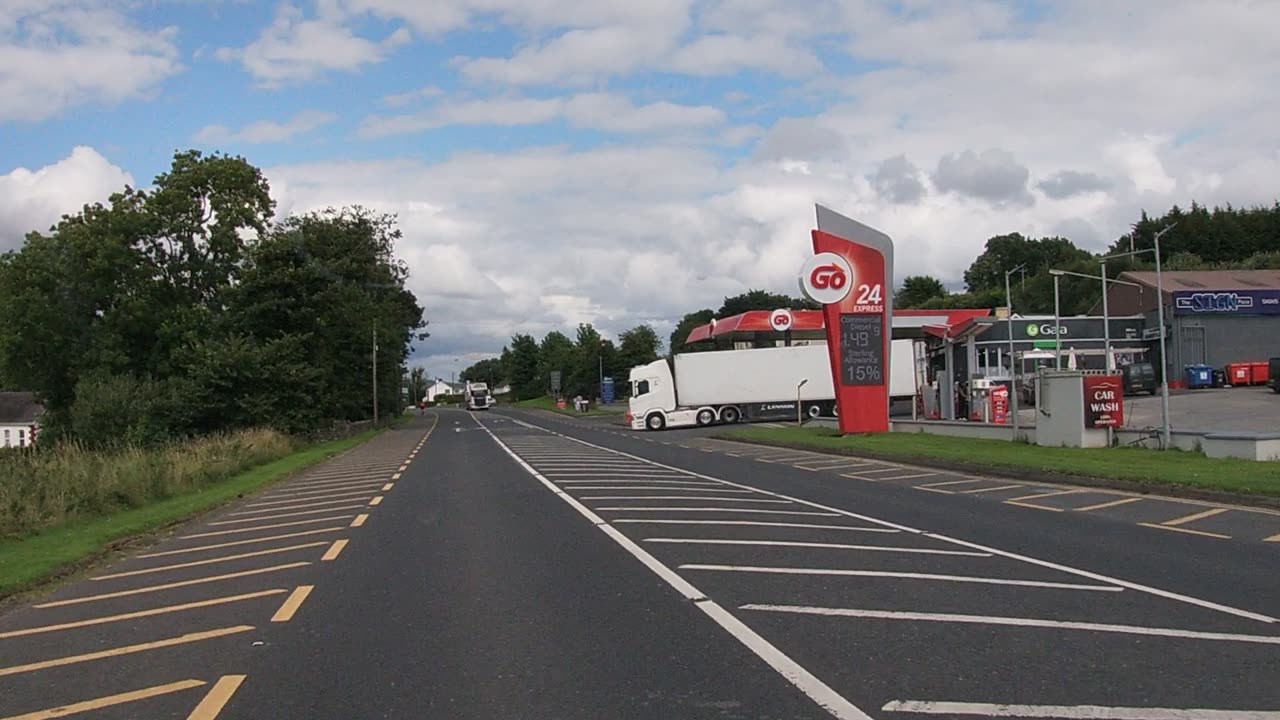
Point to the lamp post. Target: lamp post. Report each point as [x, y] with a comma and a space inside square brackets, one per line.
[1165, 432]
[1013, 370]
[1057, 321]
[799, 405]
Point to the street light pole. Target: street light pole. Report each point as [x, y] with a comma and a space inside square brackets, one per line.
[375, 372]
[1106, 321]
[1057, 322]
[1013, 369]
[1164, 361]
[799, 412]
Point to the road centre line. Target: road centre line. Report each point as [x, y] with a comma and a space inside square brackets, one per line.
[712, 509]
[1194, 516]
[359, 520]
[1109, 503]
[334, 550]
[1168, 595]
[1015, 622]
[682, 497]
[170, 586]
[108, 701]
[901, 575]
[237, 543]
[217, 698]
[301, 504]
[209, 561]
[291, 604]
[264, 527]
[752, 523]
[834, 546]
[1073, 712]
[285, 515]
[339, 496]
[126, 650]
[140, 614]
[796, 674]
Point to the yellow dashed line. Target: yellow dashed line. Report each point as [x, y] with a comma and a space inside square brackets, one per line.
[334, 550]
[169, 586]
[292, 603]
[126, 650]
[217, 698]
[359, 519]
[1194, 516]
[108, 701]
[387, 487]
[377, 500]
[1109, 503]
[395, 476]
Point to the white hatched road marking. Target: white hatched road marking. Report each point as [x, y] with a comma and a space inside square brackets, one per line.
[899, 575]
[700, 498]
[753, 523]
[1073, 712]
[837, 546]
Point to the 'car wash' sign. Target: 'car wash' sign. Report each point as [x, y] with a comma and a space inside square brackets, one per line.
[1234, 302]
[1103, 401]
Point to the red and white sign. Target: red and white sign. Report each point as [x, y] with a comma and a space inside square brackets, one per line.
[826, 278]
[1103, 401]
[781, 320]
[999, 400]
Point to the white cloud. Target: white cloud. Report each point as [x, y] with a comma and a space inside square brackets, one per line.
[593, 111]
[265, 131]
[58, 55]
[406, 98]
[295, 48]
[33, 200]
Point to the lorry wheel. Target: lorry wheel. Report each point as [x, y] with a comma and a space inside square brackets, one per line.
[730, 415]
[706, 417]
[655, 422]
[814, 412]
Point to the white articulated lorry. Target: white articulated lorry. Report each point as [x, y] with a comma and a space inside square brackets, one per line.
[730, 386]
[477, 396]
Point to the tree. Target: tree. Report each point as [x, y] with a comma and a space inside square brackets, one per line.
[557, 354]
[685, 326]
[523, 367]
[1005, 252]
[418, 384]
[761, 300]
[638, 346]
[488, 371]
[584, 376]
[917, 290]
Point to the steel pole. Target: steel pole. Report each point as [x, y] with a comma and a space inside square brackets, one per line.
[1106, 322]
[1013, 369]
[375, 373]
[1164, 359]
[1057, 327]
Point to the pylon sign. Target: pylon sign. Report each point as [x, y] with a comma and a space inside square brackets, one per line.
[849, 275]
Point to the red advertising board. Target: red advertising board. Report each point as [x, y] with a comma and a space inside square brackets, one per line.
[847, 275]
[1103, 401]
[999, 400]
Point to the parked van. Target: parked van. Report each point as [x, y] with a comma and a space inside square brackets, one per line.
[1139, 377]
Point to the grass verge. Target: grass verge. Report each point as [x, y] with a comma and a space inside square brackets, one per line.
[30, 562]
[1152, 469]
[546, 403]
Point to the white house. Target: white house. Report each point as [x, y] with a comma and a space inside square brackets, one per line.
[440, 387]
[19, 419]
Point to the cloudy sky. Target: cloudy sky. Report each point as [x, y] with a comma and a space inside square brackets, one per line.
[615, 162]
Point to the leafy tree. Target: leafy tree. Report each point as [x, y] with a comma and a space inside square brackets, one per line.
[588, 354]
[685, 326]
[523, 368]
[761, 300]
[417, 384]
[557, 353]
[917, 290]
[489, 371]
[639, 345]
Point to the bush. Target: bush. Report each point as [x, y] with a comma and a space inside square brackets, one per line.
[49, 486]
[118, 410]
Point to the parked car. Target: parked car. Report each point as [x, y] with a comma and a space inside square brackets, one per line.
[1139, 377]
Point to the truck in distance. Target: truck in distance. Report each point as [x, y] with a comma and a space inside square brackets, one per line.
[477, 397]
[730, 386]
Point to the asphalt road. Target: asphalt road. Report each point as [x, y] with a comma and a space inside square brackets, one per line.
[521, 565]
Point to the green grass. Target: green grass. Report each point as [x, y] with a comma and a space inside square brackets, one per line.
[1126, 463]
[546, 403]
[27, 563]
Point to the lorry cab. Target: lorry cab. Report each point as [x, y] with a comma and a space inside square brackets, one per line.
[653, 395]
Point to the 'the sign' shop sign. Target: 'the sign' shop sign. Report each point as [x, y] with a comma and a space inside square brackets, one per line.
[1103, 401]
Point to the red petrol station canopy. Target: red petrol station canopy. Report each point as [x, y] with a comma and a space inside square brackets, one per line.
[808, 324]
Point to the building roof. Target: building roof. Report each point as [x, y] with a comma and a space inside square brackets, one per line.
[19, 408]
[1208, 280]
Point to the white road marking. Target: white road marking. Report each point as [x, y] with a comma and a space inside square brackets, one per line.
[631, 486]
[796, 674]
[712, 509]
[900, 575]
[683, 497]
[1016, 622]
[1074, 712]
[753, 523]
[836, 546]
[964, 543]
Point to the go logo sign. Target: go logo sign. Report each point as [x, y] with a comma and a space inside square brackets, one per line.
[826, 278]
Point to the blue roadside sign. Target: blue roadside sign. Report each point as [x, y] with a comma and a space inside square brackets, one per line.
[606, 390]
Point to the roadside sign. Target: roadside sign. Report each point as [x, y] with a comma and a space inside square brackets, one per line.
[781, 320]
[1151, 333]
[1103, 401]
[606, 390]
[555, 382]
[1000, 404]
[847, 276]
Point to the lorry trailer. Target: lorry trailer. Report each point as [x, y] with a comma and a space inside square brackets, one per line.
[731, 386]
